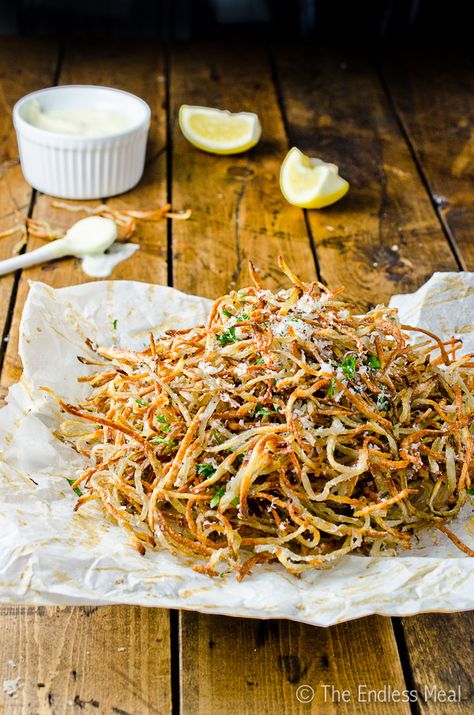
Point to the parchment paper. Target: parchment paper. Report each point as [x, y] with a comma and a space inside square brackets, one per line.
[49, 555]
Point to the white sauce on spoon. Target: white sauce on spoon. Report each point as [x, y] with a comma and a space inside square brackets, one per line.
[102, 265]
[90, 238]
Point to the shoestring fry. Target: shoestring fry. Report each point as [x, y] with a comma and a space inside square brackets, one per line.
[289, 428]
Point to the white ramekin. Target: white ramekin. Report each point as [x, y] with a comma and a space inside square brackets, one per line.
[75, 167]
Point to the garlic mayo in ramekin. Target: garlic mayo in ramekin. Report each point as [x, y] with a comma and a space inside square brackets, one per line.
[82, 141]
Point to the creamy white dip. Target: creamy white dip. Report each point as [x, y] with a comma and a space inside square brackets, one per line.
[77, 121]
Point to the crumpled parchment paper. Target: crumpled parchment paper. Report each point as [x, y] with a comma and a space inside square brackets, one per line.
[50, 555]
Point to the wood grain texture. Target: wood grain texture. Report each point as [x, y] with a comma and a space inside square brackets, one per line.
[144, 77]
[441, 653]
[109, 660]
[235, 666]
[433, 93]
[36, 69]
[238, 209]
[384, 237]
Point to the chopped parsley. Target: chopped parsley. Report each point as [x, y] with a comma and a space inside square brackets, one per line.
[205, 470]
[261, 411]
[168, 443]
[382, 403]
[259, 361]
[331, 388]
[244, 316]
[470, 492]
[235, 501]
[164, 422]
[227, 336]
[217, 436]
[227, 313]
[114, 324]
[140, 402]
[220, 491]
[239, 459]
[75, 489]
[348, 366]
[374, 363]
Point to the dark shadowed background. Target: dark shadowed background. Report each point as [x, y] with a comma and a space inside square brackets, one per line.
[327, 21]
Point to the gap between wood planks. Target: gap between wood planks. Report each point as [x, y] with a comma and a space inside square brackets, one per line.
[423, 178]
[284, 116]
[169, 165]
[13, 295]
[29, 213]
[404, 655]
[175, 667]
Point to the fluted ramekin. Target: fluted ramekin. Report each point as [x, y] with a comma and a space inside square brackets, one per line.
[77, 167]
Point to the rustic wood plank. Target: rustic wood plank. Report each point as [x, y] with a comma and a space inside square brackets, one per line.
[238, 210]
[384, 237]
[110, 660]
[144, 76]
[230, 665]
[36, 69]
[55, 642]
[433, 93]
[236, 665]
[441, 653]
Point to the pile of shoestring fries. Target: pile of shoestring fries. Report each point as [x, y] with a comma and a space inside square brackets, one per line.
[288, 428]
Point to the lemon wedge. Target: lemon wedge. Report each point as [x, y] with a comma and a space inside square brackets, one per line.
[217, 131]
[310, 183]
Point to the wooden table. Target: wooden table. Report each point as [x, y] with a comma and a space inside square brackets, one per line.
[401, 131]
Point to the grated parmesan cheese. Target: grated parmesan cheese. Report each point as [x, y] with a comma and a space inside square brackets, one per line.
[241, 369]
[208, 368]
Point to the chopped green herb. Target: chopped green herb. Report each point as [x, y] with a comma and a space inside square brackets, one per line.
[227, 313]
[227, 336]
[205, 470]
[259, 361]
[261, 411]
[348, 366]
[75, 489]
[374, 363]
[140, 402]
[169, 443]
[276, 407]
[244, 316]
[235, 501]
[217, 436]
[470, 492]
[382, 403]
[238, 460]
[220, 491]
[115, 323]
[163, 421]
[331, 388]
